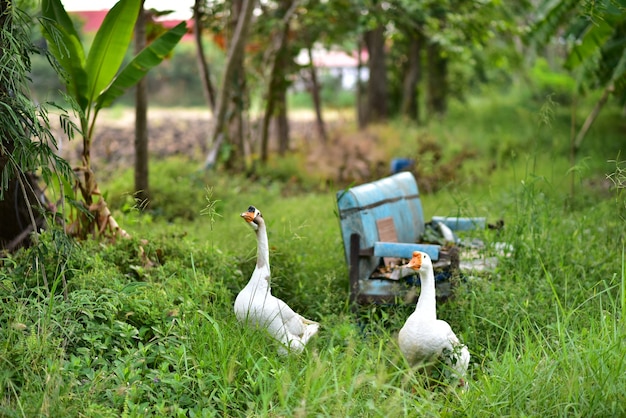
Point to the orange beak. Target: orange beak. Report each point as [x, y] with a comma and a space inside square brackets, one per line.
[416, 261]
[248, 216]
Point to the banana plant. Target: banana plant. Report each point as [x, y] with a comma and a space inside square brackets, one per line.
[595, 33]
[94, 80]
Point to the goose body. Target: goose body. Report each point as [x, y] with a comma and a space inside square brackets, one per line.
[256, 306]
[424, 339]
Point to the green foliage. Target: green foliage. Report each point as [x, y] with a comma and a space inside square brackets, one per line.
[165, 82]
[618, 178]
[180, 74]
[27, 143]
[92, 79]
[594, 33]
[177, 190]
[333, 95]
[135, 339]
[549, 82]
[287, 173]
[474, 37]
[116, 328]
[147, 326]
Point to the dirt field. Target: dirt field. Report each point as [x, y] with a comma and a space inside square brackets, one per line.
[348, 156]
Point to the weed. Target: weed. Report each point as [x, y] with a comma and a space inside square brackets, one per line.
[94, 330]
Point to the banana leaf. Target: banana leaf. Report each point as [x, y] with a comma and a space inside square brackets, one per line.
[591, 43]
[619, 73]
[149, 57]
[64, 44]
[553, 14]
[110, 45]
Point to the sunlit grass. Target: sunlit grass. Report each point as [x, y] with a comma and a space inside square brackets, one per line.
[545, 330]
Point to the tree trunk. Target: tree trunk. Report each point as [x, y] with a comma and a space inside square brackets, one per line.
[282, 122]
[315, 94]
[275, 60]
[236, 127]
[203, 67]
[99, 221]
[377, 109]
[437, 100]
[232, 72]
[236, 103]
[141, 119]
[360, 93]
[410, 93]
[20, 210]
[265, 127]
[592, 117]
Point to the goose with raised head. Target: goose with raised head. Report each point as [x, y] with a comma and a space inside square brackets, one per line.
[425, 340]
[256, 306]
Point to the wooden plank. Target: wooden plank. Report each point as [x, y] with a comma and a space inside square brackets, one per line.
[387, 233]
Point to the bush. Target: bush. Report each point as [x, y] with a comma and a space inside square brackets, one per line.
[548, 82]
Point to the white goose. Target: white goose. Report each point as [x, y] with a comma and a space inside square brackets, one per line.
[424, 339]
[256, 306]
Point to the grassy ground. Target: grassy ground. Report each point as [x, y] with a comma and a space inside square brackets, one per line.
[155, 335]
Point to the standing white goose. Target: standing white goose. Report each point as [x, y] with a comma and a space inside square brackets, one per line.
[424, 339]
[256, 306]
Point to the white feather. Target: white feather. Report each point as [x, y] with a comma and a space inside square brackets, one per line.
[424, 339]
[256, 306]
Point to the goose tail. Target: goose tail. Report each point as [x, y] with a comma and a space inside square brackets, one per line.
[310, 330]
[461, 363]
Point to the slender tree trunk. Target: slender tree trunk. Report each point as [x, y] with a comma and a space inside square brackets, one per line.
[100, 220]
[315, 94]
[437, 81]
[572, 149]
[592, 117]
[237, 103]
[265, 127]
[203, 66]
[276, 62]
[410, 93]
[235, 121]
[377, 109]
[282, 122]
[232, 70]
[360, 93]
[142, 191]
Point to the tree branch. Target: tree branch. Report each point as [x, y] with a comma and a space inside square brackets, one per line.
[592, 116]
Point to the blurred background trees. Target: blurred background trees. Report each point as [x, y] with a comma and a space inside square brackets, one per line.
[252, 63]
[415, 57]
[433, 50]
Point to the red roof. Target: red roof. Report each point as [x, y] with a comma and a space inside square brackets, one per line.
[92, 19]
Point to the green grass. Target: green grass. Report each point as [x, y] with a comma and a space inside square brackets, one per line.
[546, 330]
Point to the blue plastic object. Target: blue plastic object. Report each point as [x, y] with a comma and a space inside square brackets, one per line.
[400, 164]
[395, 197]
[461, 224]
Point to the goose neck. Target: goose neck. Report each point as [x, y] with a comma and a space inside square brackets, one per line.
[426, 304]
[263, 251]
